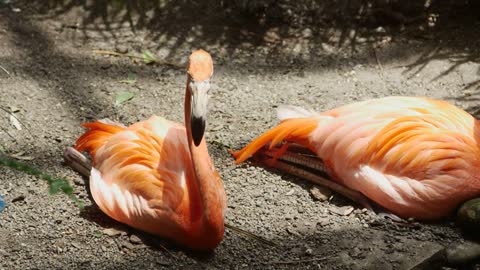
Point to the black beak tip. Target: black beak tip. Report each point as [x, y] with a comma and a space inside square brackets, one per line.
[198, 129]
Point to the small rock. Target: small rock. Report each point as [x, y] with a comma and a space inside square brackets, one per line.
[127, 245]
[307, 32]
[468, 217]
[13, 109]
[290, 192]
[380, 29]
[297, 49]
[327, 48]
[121, 48]
[323, 221]
[112, 232]
[376, 223]
[342, 211]
[308, 251]
[135, 239]
[18, 198]
[356, 253]
[463, 253]
[78, 181]
[292, 231]
[271, 36]
[320, 193]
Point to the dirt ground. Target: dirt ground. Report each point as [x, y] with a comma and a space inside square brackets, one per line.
[316, 55]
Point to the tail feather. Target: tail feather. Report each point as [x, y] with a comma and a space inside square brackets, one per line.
[288, 111]
[295, 130]
[97, 135]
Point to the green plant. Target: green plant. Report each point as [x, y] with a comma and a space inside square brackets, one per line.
[55, 185]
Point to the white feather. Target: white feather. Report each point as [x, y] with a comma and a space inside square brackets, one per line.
[289, 111]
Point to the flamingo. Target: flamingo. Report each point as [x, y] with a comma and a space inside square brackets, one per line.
[156, 175]
[415, 157]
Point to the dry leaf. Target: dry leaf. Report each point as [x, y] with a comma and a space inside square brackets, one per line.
[290, 192]
[20, 156]
[123, 97]
[112, 232]
[15, 122]
[342, 211]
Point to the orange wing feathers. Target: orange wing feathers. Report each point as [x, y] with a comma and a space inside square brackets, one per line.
[96, 136]
[144, 171]
[415, 156]
[295, 130]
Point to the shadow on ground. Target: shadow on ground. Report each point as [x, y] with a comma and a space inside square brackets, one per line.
[281, 33]
[280, 25]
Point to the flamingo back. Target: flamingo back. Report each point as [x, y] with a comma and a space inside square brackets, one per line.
[417, 157]
[143, 174]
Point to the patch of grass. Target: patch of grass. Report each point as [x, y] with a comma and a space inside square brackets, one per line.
[55, 185]
[149, 57]
[122, 97]
[130, 80]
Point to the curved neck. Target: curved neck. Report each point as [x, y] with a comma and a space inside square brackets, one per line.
[211, 192]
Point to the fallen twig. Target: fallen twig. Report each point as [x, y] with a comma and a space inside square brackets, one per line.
[55, 184]
[14, 116]
[299, 261]
[251, 235]
[380, 66]
[106, 52]
[6, 71]
[157, 244]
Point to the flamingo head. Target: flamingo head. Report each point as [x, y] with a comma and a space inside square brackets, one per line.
[200, 70]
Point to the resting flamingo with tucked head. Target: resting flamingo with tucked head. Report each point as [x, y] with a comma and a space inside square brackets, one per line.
[416, 157]
[157, 175]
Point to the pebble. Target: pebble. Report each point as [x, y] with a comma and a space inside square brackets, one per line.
[78, 181]
[342, 211]
[19, 198]
[463, 253]
[307, 33]
[121, 48]
[127, 245]
[320, 193]
[292, 231]
[135, 239]
[111, 232]
[323, 221]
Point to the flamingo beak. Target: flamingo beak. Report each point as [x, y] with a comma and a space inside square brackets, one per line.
[198, 116]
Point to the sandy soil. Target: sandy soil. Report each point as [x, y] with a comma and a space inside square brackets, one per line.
[318, 56]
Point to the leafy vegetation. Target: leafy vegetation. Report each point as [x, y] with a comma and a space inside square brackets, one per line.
[122, 97]
[55, 185]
